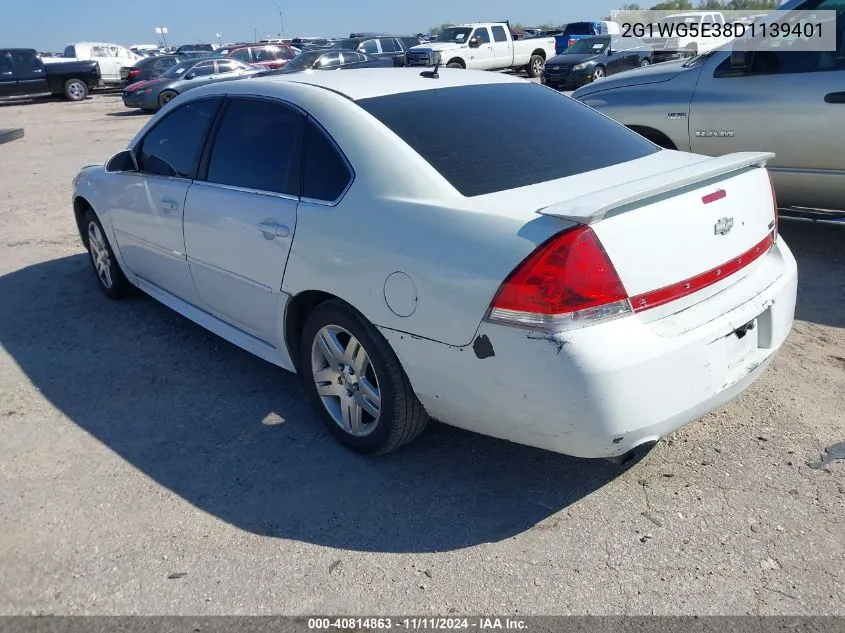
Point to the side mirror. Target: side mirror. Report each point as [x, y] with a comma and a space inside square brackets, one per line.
[122, 162]
[190, 75]
[610, 52]
[474, 42]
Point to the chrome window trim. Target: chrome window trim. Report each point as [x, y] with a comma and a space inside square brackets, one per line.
[262, 192]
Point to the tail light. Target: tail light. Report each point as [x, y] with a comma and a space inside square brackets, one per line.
[567, 282]
[134, 73]
[571, 42]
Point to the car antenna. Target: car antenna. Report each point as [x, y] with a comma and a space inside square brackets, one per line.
[431, 74]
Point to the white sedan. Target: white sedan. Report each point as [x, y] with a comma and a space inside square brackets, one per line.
[460, 245]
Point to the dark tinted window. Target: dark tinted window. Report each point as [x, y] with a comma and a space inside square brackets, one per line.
[241, 54]
[329, 60]
[258, 147]
[228, 66]
[5, 64]
[370, 47]
[325, 174]
[351, 58]
[70, 51]
[482, 150]
[579, 28]
[203, 70]
[172, 147]
[499, 34]
[389, 45]
[482, 34]
[26, 63]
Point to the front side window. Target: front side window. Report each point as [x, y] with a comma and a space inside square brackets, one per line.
[325, 174]
[484, 150]
[775, 56]
[242, 54]
[482, 34]
[203, 70]
[329, 60]
[370, 47]
[173, 146]
[351, 58]
[258, 146]
[26, 63]
[499, 34]
[389, 45]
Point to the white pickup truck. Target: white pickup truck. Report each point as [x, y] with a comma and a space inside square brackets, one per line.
[483, 46]
[689, 33]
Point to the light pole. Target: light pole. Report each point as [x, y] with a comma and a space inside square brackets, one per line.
[282, 20]
[162, 30]
[219, 41]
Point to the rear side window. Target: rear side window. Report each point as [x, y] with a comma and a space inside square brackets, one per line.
[499, 34]
[173, 146]
[370, 47]
[5, 64]
[258, 146]
[325, 174]
[532, 135]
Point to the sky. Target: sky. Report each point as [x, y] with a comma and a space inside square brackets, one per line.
[49, 25]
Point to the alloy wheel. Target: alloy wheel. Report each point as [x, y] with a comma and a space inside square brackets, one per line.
[346, 381]
[100, 254]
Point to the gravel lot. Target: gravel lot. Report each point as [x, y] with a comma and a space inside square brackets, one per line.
[150, 467]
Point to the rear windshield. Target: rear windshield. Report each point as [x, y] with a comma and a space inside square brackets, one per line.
[494, 137]
[580, 28]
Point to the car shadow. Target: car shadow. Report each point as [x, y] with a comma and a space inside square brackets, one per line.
[819, 249]
[234, 436]
[130, 113]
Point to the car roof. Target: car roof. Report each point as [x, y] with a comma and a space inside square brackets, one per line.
[364, 83]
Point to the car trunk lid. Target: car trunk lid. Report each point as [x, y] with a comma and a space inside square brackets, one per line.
[673, 235]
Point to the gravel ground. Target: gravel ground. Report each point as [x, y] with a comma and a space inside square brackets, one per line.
[149, 467]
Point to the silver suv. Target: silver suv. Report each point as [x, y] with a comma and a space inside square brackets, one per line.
[791, 103]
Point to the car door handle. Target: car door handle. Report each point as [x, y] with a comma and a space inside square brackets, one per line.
[835, 97]
[169, 205]
[271, 230]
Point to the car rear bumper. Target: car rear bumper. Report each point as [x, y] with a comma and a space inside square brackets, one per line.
[565, 82]
[603, 390]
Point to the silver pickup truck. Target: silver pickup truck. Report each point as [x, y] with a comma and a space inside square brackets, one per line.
[791, 103]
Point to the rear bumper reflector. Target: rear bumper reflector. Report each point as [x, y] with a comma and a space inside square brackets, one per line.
[667, 294]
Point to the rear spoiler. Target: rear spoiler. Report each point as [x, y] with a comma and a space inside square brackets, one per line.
[592, 207]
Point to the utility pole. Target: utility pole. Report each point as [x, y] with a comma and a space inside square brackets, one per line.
[255, 35]
[282, 20]
[162, 30]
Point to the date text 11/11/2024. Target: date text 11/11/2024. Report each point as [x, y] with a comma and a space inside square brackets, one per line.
[411, 623]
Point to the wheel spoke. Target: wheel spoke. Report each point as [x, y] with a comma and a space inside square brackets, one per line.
[107, 275]
[351, 415]
[370, 399]
[328, 374]
[331, 347]
[356, 355]
[330, 389]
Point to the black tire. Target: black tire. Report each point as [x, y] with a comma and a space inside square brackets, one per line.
[76, 90]
[148, 110]
[535, 66]
[166, 97]
[120, 286]
[402, 417]
[454, 65]
[644, 63]
[599, 73]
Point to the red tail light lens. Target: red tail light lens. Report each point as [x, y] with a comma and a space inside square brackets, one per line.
[565, 282]
[571, 42]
